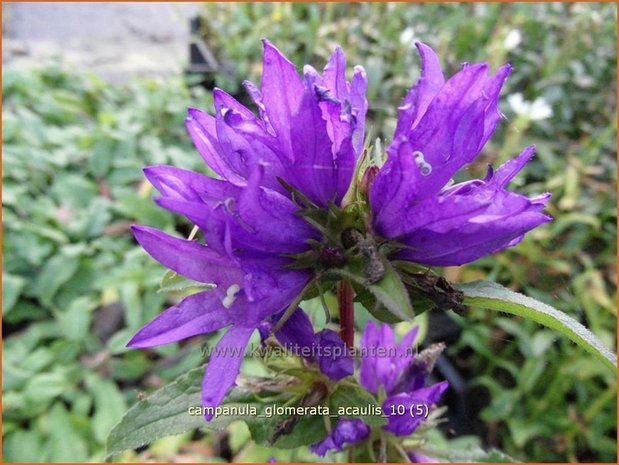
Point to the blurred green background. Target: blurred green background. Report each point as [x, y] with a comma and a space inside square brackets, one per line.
[76, 286]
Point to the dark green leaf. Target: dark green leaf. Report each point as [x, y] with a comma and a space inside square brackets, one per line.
[163, 413]
[493, 296]
[166, 412]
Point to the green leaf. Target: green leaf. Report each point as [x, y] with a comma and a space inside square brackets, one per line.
[470, 454]
[163, 413]
[389, 291]
[75, 321]
[22, 446]
[57, 271]
[378, 311]
[493, 296]
[65, 443]
[11, 289]
[45, 386]
[309, 430]
[109, 406]
[354, 398]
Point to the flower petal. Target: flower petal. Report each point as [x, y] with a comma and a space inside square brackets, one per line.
[282, 91]
[256, 96]
[334, 74]
[382, 358]
[188, 258]
[406, 423]
[472, 240]
[297, 332]
[201, 128]
[177, 183]
[313, 170]
[271, 221]
[419, 96]
[248, 145]
[359, 102]
[395, 187]
[199, 313]
[222, 100]
[224, 365]
[332, 355]
[470, 220]
[345, 432]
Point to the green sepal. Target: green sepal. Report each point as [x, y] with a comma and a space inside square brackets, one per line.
[389, 291]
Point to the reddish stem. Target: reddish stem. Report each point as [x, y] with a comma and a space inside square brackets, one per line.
[345, 296]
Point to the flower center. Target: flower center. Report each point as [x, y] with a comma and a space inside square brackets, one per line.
[346, 238]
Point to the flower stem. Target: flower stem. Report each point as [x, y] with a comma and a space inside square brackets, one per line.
[345, 295]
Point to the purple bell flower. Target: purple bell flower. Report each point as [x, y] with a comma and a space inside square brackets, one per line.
[309, 134]
[442, 126]
[393, 368]
[325, 348]
[345, 432]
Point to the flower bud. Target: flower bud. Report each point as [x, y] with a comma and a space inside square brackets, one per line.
[366, 181]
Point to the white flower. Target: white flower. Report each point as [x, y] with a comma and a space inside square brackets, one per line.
[535, 111]
[512, 39]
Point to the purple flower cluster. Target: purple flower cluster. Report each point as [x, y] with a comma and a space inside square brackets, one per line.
[442, 126]
[308, 135]
[400, 376]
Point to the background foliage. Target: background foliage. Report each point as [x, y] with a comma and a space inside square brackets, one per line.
[76, 287]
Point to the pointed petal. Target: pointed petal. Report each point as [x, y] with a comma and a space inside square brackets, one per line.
[201, 128]
[377, 366]
[224, 366]
[508, 170]
[359, 102]
[492, 113]
[334, 74]
[247, 145]
[282, 91]
[188, 258]
[180, 184]
[313, 171]
[369, 342]
[256, 96]
[222, 100]
[418, 98]
[200, 313]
